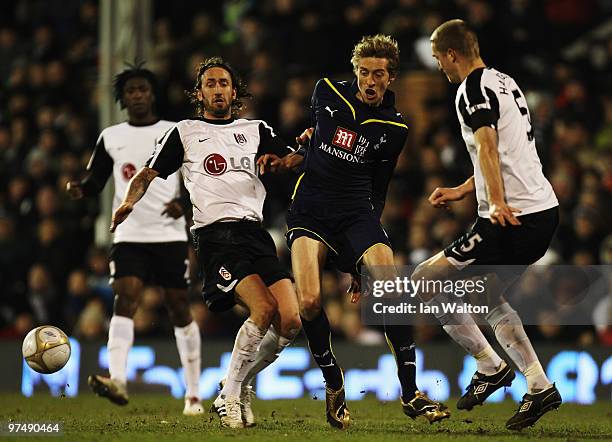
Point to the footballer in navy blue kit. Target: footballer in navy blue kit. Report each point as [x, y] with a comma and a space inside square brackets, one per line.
[341, 194]
[336, 207]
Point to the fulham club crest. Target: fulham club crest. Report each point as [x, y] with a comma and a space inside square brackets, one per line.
[225, 274]
[240, 139]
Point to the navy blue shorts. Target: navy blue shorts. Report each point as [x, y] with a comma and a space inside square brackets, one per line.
[347, 235]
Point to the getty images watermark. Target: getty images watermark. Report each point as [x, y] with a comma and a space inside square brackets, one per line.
[542, 295]
[428, 290]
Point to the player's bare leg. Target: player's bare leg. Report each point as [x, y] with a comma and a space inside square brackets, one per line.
[128, 291]
[188, 343]
[307, 256]
[381, 266]
[283, 330]
[251, 292]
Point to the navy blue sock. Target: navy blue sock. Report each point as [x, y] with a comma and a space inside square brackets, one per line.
[401, 342]
[318, 334]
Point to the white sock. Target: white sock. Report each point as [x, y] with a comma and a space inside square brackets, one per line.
[243, 357]
[464, 331]
[120, 340]
[269, 350]
[488, 361]
[188, 343]
[474, 342]
[511, 335]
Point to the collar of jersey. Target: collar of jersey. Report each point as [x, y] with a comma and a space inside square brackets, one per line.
[211, 121]
[387, 101]
[475, 70]
[144, 124]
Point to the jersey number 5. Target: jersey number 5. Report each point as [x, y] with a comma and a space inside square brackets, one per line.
[471, 243]
[524, 112]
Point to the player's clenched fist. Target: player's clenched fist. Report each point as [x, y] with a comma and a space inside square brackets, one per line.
[121, 214]
[441, 195]
[355, 289]
[74, 189]
[305, 136]
[173, 209]
[268, 163]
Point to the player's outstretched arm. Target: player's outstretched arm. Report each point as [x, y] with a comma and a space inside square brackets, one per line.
[272, 162]
[295, 159]
[442, 195]
[488, 158]
[99, 169]
[136, 189]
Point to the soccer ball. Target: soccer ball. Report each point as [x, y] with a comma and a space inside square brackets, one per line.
[46, 349]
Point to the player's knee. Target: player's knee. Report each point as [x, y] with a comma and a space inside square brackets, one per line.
[125, 305]
[419, 272]
[290, 326]
[128, 291]
[310, 305]
[423, 272]
[264, 310]
[177, 302]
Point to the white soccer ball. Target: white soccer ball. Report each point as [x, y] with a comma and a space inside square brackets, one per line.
[46, 349]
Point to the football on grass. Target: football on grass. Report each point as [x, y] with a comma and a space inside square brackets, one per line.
[46, 349]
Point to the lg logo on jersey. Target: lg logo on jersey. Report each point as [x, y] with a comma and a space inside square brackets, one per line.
[215, 164]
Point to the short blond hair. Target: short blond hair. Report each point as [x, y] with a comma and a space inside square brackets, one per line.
[378, 46]
[457, 35]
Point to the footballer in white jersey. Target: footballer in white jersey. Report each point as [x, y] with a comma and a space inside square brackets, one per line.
[488, 97]
[151, 248]
[217, 159]
[123, 149]
[218, 155]
[517, 218]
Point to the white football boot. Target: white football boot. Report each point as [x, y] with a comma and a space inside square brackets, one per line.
[228, 410]
[193, 407]
[246, 396]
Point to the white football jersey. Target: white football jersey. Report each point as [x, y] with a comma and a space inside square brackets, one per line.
[217, 159]
[129, 147]
[488, 97]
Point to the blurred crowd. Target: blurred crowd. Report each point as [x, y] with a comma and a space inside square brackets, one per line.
[50, 271]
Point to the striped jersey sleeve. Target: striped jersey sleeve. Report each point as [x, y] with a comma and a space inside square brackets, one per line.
[99, 169]
[269, 142]
[168, 155]
[479, 105]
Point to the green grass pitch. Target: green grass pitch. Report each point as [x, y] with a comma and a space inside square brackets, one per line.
[156, 417]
